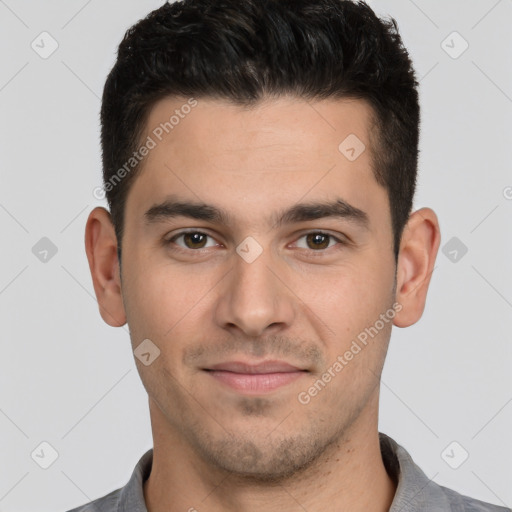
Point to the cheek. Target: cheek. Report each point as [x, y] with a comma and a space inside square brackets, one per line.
[348, 292]
[346, 301]
[164, 300]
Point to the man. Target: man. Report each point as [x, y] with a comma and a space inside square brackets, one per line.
[260, 164]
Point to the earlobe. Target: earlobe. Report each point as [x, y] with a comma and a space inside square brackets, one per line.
[101, 249]
[418, 251]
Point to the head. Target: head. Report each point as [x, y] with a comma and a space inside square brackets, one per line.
[260, 161]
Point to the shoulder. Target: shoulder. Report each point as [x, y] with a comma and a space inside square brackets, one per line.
[462, 503]
[127, 498]
[417, 493]
[107, 503]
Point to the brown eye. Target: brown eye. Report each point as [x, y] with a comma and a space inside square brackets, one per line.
[194, 240]
[191, 240]
[320, 243]
[318, 240]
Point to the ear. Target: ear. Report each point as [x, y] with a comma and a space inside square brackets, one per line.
[101, 249]
[418, 250]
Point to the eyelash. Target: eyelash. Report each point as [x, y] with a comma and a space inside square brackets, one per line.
[314, 253]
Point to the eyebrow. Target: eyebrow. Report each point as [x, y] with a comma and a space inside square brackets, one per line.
[173, 207]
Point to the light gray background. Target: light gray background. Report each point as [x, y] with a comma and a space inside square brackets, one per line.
[70, 380]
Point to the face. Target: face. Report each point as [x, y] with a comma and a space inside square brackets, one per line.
[253, 297]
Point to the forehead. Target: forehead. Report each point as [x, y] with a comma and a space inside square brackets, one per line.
[258, 158]
[278, 126]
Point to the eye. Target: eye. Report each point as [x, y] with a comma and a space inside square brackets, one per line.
[315, 241]
[192, 240]
[318, 240]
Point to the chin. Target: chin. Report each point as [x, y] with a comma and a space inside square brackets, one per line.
[261, 460]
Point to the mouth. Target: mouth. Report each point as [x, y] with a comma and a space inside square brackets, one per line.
[255, 379]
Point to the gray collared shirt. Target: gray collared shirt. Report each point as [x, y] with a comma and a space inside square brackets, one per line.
[415, 492]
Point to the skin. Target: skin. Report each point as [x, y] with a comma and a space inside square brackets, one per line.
[216, 448]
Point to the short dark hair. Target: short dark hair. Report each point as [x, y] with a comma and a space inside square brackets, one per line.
[246, 50]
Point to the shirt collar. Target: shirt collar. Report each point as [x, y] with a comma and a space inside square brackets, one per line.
[415, 492]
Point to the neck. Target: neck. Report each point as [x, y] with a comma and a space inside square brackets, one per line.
[338, 480]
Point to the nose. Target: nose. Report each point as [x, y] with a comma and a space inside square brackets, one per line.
[255, 297]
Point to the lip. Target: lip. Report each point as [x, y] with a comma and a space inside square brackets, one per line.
[263, 367]
[258, 378]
